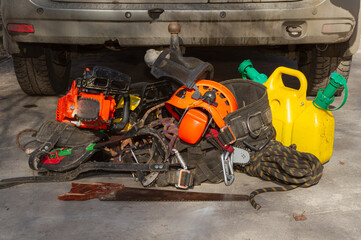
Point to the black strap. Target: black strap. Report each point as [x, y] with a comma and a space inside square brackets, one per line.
[186, 178]
[84, 168]
[36, 156]
[210, 175]
[226, 136]
[242, 127]
[215, 142]
[172, 178]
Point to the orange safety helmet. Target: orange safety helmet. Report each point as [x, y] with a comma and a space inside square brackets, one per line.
[212, 97]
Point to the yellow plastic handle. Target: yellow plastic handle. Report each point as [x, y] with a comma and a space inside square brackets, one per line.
[276, 78]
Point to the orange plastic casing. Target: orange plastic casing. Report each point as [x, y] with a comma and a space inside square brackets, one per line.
[68, 106]
[192, 126]
[226, 102]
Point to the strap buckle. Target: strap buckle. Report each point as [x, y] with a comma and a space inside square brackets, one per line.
[229, 130]
[183, 179]
[254, 134]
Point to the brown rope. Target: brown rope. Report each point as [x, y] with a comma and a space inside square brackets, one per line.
[18, 137]
[142, 121]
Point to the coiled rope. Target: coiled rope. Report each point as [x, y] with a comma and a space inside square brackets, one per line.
[170, 129]
[285, 166]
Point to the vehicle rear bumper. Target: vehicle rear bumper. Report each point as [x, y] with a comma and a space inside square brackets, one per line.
[246, 24]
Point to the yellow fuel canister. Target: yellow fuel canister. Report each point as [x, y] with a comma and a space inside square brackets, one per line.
[295, 118]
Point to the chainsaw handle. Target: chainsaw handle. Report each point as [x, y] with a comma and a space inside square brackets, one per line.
[126, 112]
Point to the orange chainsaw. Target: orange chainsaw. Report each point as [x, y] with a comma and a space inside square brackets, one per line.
[90, 102]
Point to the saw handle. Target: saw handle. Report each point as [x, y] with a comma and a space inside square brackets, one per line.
[126, 111]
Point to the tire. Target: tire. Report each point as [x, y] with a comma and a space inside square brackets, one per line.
[318, 69]
[42, 71]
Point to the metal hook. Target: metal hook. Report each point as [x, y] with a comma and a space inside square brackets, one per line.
[131, 150]
[227, 166]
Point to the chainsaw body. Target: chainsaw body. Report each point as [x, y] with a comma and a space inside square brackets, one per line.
[89, 103]
[86, 110]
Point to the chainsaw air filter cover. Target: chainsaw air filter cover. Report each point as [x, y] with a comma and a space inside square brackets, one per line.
[88, 109]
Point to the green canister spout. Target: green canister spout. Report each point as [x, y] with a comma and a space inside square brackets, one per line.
[249, 72]
[325, 96]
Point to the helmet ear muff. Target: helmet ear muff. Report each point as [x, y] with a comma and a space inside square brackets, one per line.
[192, 126]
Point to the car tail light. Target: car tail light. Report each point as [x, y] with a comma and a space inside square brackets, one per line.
[22, 28]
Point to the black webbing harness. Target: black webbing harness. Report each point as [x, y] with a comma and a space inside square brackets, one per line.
[82, 164]
[250, 128]
[94, 168]
[251, 125]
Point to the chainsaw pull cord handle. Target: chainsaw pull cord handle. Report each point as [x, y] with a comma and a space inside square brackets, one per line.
[126, 112]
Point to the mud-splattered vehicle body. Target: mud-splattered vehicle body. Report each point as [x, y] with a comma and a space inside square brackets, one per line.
[322, 35]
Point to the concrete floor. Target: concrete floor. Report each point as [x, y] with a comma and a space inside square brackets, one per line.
[32, 211]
